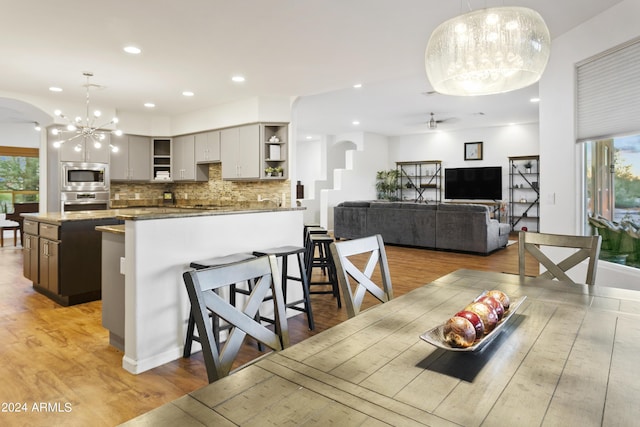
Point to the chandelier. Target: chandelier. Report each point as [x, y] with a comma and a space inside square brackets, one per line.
[488, 51]
[85, 129]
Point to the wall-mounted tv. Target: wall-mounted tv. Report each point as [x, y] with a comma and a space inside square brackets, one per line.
[473, 183]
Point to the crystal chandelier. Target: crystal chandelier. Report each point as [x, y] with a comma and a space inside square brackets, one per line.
[85, 128]
[488, 51]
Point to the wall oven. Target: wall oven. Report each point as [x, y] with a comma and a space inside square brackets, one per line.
[80, 176]
[84, 201]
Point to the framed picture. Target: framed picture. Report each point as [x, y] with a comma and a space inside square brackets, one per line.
[473, 150]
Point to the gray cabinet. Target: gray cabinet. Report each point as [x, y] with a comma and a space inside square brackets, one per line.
[208, 147]
[80, 150]
[184, 160]
[132, 160]
[240, 152]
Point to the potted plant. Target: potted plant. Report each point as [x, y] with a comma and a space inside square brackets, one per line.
[387, 184]
[269, 171]
[278, 170]
[527, 166]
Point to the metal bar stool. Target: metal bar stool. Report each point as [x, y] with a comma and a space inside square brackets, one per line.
[215, 321]
[284, 252]
[319, 256]
[310, 248]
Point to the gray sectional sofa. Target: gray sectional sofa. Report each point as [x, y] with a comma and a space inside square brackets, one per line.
[455, 227]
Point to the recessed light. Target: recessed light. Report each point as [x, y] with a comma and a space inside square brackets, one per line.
[309, 137]
[149, 104]
[534, 100]
[55, 89]
[357, 85]
[355, 122]
[187, 93]
[238, 79]
[132, 50]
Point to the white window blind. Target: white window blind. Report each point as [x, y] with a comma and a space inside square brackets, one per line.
[608, 101]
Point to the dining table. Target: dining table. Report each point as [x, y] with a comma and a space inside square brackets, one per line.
[566, 356]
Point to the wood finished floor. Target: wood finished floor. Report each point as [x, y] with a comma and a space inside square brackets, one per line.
[59, 357]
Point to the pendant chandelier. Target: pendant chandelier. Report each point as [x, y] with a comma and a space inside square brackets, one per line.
[85, 129]
[488, 51]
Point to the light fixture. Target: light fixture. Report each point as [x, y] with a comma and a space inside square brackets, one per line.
[149, 104]
[133, 50]
[432, 123]
[238, 79]
[187, 93]
[488, 51]
[87, 129]
[37, 127]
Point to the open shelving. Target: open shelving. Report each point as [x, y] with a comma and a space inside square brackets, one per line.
[420, 181]
[524, 193]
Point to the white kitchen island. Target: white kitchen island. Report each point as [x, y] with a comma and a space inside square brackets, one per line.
[158, 250]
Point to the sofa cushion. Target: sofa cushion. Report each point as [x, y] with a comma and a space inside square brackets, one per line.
[418, 206]
[454, 207]
[355, 204]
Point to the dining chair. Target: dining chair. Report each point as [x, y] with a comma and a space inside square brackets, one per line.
[202, 286]
[346, 270]
[588, 248]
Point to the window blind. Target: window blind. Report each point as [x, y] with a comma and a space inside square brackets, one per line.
[608, 98]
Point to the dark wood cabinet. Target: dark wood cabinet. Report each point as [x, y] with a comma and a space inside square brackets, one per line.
[64, 260]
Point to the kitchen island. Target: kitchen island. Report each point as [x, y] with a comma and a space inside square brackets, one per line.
[160, 246]
[160, 243]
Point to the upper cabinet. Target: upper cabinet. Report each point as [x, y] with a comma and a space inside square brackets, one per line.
[85, 151]
[184, 160]
[240, 152]
[132, 160]
[208, 147]
[161, 159]
[273, 146]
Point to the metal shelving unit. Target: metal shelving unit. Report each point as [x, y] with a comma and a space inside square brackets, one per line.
[524, 193]
[420, 181]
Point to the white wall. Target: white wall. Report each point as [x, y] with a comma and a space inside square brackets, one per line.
[357, 180]
[499, 143]
[561, 188]
[19, 135]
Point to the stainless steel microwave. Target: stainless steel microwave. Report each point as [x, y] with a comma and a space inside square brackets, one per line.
[80, 176]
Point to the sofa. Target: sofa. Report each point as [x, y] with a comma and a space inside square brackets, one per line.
[446, 226]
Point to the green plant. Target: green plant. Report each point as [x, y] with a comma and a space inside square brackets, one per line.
[278, 169]
[528, 165]
[269, 170]
[387, 184]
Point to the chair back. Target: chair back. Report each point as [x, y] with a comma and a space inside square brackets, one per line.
[588, 247]
[202, 286]
[373, 246]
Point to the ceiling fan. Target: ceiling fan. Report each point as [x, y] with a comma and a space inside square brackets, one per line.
[433, 123]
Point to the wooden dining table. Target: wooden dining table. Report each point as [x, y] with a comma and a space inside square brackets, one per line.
[567, 357]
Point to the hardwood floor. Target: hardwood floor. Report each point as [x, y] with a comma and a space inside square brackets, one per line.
[57, 367]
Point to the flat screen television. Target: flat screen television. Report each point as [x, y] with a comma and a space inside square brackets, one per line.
[482, 183]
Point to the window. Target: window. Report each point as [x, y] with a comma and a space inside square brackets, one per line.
[613, 197]
[19, 176]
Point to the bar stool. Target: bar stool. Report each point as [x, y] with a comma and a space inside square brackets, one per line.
[309, 247]
[318, 256]
[284, 252]
[215, 321]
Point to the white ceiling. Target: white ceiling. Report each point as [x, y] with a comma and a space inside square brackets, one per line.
[313, 49]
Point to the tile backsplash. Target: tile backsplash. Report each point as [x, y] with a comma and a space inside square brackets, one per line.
[215, 192]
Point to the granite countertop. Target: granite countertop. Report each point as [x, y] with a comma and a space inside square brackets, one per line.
[115, 229]
[137, 214]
